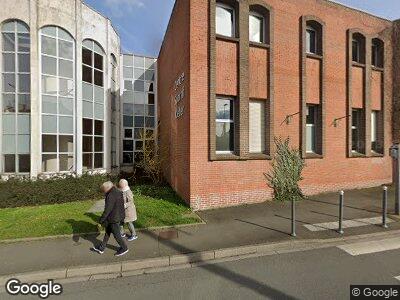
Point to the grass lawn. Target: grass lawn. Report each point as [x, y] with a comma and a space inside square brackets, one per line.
[156, 206]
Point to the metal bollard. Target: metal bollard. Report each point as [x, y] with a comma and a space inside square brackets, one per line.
[341, 200]
[384, 206]
[293, 218]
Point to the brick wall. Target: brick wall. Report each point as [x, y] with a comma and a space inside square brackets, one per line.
[216, 183]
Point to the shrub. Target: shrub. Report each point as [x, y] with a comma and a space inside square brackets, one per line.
[285, 175]
[24, 192]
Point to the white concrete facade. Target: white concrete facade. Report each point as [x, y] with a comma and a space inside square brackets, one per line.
[86, 27]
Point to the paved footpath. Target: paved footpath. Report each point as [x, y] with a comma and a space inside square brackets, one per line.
[265, 223]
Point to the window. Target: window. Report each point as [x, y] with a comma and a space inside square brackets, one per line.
[376, 144]
[15, 97]
[377, 55]
[356, 130]
[256, 28]
[358, 48]
[311, 128]
[138, 107]
[225, 20]
[114, 72]
[311, 40]
[58, 99]
[257, 126]
[225, 125]
[93, 105]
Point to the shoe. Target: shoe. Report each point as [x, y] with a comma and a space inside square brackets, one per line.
[98, 250]
[123, 235]
[132, 238]
[121, 252]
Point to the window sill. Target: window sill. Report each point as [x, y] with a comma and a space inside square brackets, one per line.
[225, 156]
[379, 69]
[259, 156]
[259, 45]
[227, 38]
[313, 55]
[357, 155]
[376, 154]
[357, 64]
[313, 156]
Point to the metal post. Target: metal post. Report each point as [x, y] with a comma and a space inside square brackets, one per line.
[384, 206]
[341, 200]
[293, 218]
[394, 153]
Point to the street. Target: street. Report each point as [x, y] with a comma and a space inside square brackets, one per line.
[315, 274]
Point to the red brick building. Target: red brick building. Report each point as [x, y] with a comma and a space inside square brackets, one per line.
[232, 75]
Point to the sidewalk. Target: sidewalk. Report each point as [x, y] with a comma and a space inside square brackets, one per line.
[224, 228]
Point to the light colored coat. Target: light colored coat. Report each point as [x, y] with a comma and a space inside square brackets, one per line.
[130, 208]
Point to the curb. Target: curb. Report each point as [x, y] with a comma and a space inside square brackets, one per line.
[183, 261]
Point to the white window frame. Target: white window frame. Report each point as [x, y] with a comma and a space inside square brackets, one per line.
[263, 27]
[230, 121]
[233, 24]
[309, 43]
[58, 77]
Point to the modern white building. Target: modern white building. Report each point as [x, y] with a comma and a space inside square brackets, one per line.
[62, 110]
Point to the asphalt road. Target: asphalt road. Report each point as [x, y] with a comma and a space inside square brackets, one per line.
[316, 274]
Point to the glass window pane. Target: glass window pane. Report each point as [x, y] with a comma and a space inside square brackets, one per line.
[224, 21]
[139, 62]
[98, 94]
[21, 27]
[150, 110]
[128, 158]
[98, 61]
[98, 78]
[128, 109]
[149, 87]
[24, 63]
[49, 143]
[49, 30]
[49, 65]
[66, 125]
[8, 62]
[66, 87]
[49, 104]
[138, 86]
[49, 163]
[8, 103]
[128, 85]
[9, 163]
[128, 145]
[139, 121]
[128, 133]
[139, 74]
[49, 46]
[24, 83]
[98, 160]
[66, 106]
[256, 29]
[150, 98]
[127, 97]
[128, 121]
[87, 91]
[66, 162]
[66, 68]
[98, 144]
[98, 127]
[139, 110]
[149, 63]
[9, 83]
[49, 85]
[97, 48]
[310, 140]
[24, 103]
[150, 122]
[62, 34]
[311, 111]
[138, 145]
[9, 26]
[24, 124]
[139, 98]
[87, 74]
[87, 109]
[24, 42]
[87, 144]
[87, 161]
[66, 49]
[128, 72]
[87, 57]
[98, 111]
[139, 133]
[24, 163]
[24, 142]
[49, 124]
[150, 75]
[224, 137]
[9, 124]
[9, 144]
[87, 126]
[224, 109]
[9, 42]
[66, 143]
[128, 60]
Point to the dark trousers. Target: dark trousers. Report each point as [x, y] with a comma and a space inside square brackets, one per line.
[115, 230]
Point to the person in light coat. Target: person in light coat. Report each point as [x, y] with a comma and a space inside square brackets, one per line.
[130, 210]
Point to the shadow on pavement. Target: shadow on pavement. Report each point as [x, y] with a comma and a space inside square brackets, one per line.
[262, 226]
[242, 280]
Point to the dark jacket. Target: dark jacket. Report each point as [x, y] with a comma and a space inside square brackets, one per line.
[114, 210]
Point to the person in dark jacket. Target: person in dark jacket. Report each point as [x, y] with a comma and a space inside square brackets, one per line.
[112, 217]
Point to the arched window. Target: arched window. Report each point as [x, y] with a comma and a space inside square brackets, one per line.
[114, 74]
[57, 48]
[314, 37]
[225, 20]
[16, 81]
[358, 48]
[93, 105]
[259, 24]
[378, 49]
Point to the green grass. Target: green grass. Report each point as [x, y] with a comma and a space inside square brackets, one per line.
[156, 206]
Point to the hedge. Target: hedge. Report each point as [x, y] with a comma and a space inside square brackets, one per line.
[24, 192]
